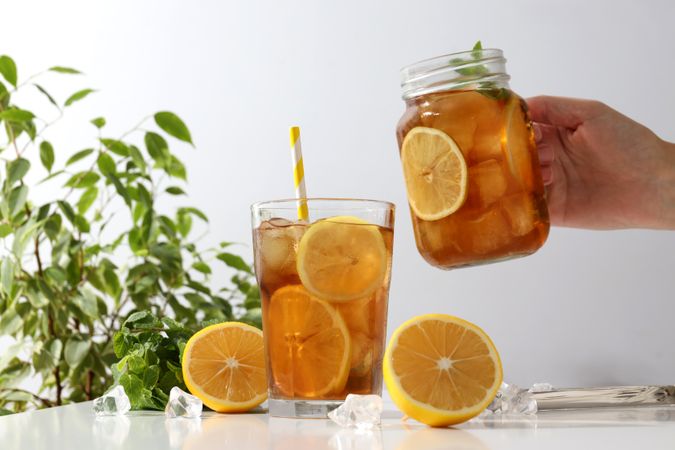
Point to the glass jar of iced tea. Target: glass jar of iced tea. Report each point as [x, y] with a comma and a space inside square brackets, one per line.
[470, 163]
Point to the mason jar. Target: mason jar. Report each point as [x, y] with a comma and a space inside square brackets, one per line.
[469, 161]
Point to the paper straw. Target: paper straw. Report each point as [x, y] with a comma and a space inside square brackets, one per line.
[299, 174]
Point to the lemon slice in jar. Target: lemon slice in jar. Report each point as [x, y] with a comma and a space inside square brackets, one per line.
[435, 173]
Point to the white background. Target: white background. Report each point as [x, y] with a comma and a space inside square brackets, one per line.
[590, 308]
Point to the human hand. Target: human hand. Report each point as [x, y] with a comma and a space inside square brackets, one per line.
[601, 169]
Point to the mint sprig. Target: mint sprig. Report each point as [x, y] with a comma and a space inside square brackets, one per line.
[477, 71]
[150, 351]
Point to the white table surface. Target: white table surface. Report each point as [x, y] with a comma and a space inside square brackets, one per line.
[74, 427]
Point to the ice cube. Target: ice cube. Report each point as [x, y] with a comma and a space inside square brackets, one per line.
[113, 403]
[487, 183]
[182, 404]
[277, 245]
[541, 387]
[362, 412]
[453, 114]
[520, 212]
[513, 400]
[362, 354]
[439, 237]
[358, 314]
[486, 145]
[489, 232]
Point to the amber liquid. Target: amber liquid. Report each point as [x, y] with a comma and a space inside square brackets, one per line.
[505, 213]
[276, 243]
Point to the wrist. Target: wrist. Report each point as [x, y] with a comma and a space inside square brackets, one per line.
[664, 185]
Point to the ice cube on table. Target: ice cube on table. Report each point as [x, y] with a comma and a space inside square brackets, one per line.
[182, 404]
[362, 412]
[511, 399]
[487, 183]
[113, 403]
[541, 387]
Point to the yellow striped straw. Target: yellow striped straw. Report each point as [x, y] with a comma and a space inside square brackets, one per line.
[299, 174]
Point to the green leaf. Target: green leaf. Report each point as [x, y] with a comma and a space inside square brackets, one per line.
[87, 199]
[157, 147]
[477, 50]
[16, 170]
[17, 199]
[137, 158]
[16, 115]
[144, 196]
[176, 168]
[46, 94]
[8, 69]
[67, 210]
[77, 96]
[87, 303]
[202, 267]
[55, 274]
[67, 70]
[83, 180]
[5, 230]
[76, 350]
[47, 155]
[173, 125]
[4, 96]
[79, 155]
[234, 261]
[119, 187]
[115, 146]
[98, 122]
[106, 164]
[7, 275]
[193, 211]
[10, 322]
[81, 223]
[53, 226]
[175, 190]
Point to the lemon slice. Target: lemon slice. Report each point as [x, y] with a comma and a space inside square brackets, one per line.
[342, 258]
[435, 173]
[309, 344]
[224, 366]
[519, 144]
[441, 370]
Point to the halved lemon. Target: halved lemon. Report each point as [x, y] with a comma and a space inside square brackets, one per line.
[441, 370]
[224, 365]
[435, 173]
[342, 258]
[309, 344]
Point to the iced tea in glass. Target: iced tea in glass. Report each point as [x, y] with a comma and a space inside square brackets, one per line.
[324, 285]
[470, 162]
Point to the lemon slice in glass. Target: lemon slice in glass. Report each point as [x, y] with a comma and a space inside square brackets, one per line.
[342, 258]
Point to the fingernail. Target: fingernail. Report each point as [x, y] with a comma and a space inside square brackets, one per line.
[537, 132]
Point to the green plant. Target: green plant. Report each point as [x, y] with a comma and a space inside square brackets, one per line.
[73, 269]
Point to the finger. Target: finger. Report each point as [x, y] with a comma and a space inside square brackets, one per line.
[547, 174]
[546, 138]
[562, 111]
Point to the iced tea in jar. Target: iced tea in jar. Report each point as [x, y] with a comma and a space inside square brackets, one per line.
[470, 163]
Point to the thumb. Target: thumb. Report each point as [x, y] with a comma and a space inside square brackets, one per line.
[562, 111]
